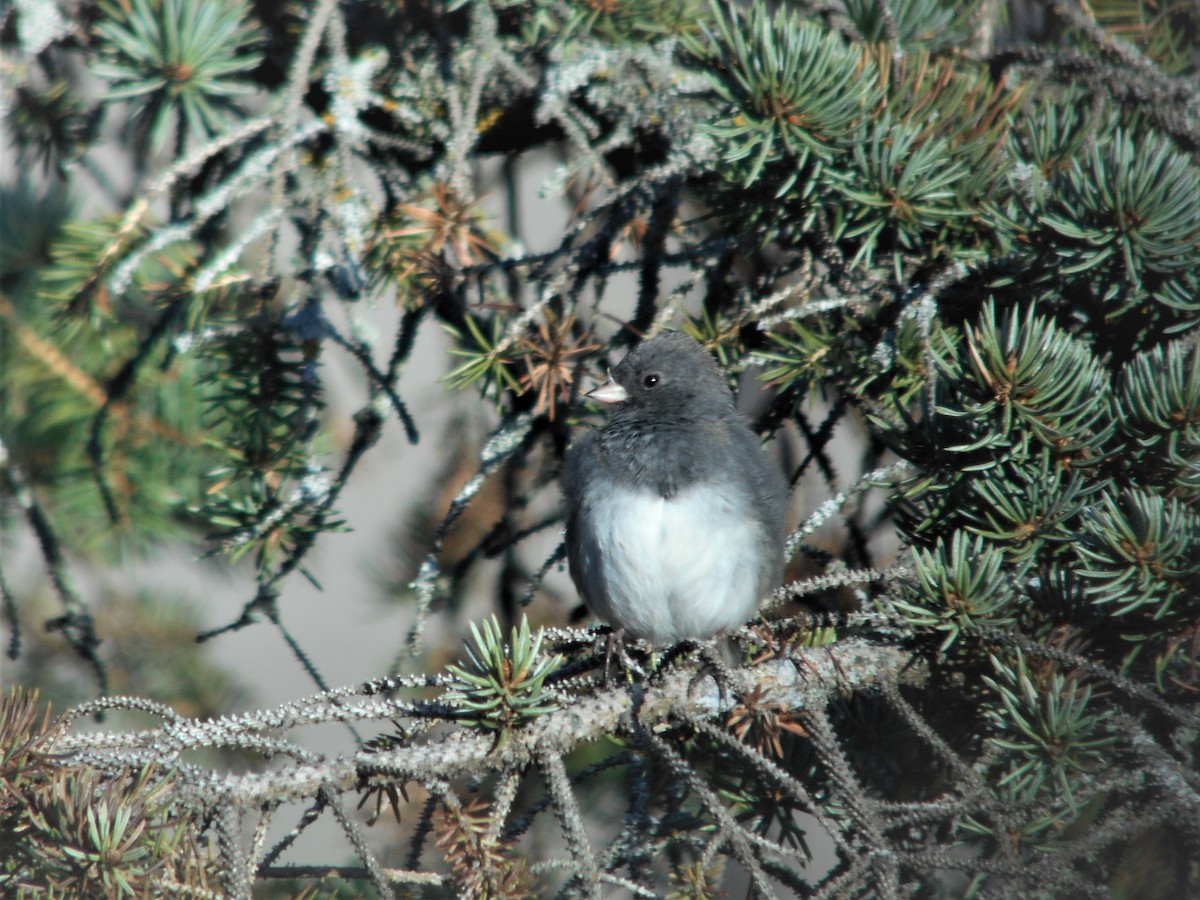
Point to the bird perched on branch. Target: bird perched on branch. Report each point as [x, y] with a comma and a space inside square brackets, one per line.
[676, 517]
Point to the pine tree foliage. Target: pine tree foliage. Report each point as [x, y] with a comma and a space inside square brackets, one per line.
[965, 236]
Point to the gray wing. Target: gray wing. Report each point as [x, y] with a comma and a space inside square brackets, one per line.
[579, 462]
[769, 494]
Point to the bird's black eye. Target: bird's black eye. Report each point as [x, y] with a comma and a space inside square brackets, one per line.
[650, 380]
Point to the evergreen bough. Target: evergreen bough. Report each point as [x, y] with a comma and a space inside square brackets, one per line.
[964, 238]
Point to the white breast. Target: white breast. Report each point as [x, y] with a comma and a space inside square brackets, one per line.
[667, 570]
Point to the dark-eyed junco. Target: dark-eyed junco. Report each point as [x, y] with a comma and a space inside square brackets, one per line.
[676, 517]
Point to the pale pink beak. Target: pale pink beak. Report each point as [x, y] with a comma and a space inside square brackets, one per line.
[609, 392]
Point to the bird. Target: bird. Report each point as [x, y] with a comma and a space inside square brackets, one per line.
[676, 516]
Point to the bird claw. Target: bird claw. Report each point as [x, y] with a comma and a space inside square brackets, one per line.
[615, 648]
[712, 665]
[615, 645]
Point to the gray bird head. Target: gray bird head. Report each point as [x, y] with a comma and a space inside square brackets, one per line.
[670, 376]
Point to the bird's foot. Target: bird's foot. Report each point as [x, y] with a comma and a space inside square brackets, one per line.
[616, 649]
[713, 664]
